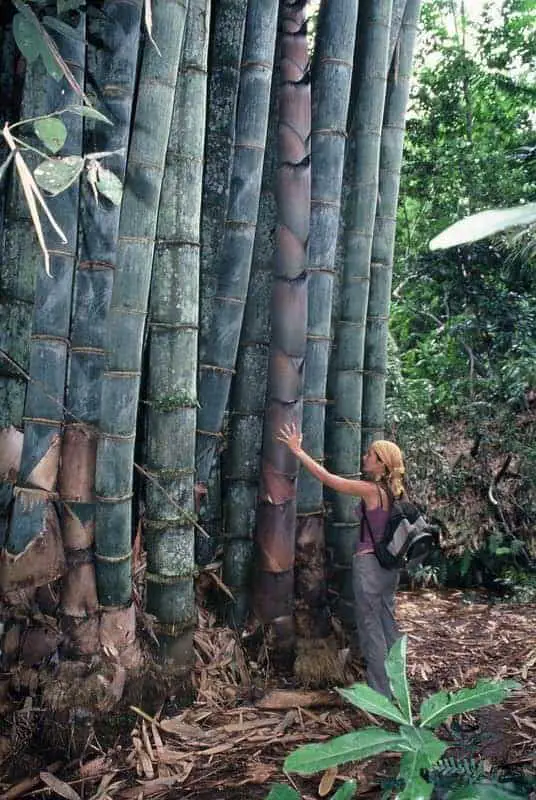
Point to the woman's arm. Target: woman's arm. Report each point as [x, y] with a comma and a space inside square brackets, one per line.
[289, 435]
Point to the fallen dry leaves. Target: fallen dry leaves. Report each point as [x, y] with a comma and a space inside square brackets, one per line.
[239, 729]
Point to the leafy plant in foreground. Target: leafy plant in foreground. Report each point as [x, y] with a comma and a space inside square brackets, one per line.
[421, 749]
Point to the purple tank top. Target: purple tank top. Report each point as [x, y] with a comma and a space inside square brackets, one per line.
[377, 519]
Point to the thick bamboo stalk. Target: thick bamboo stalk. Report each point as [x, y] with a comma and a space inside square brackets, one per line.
[276, 515]
[219, 344]
[225, 56]
[243, 456]
[128, 309]
[172, 355]
[383, 243]
[370, 76]
[332, 77]
[34, 555]
[111, 72]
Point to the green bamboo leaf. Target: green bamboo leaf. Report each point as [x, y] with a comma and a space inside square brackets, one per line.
[346, 791]
[280, 791]
[56, 174]
[109, 185]
[442, 705]
[395, 666]
[66, 30]
[484, 224]
[52, 133]
[89, 112]
[353, 746]
[26, 38]
[51, 65]
[368, 699]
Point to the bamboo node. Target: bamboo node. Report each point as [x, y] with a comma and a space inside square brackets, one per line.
[120, 499]
[167, 580]
[173, 326]
[95, 265]
[45, 337]
[216, 435]
[320, 401]
[119, 437]
[99, 351]
[29, 495]
[216, 368]
[113, 559]
[121, 374]
[55, 423]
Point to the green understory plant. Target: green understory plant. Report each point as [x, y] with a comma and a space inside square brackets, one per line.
[415, 739]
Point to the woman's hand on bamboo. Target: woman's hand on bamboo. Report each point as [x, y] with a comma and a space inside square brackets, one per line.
[291, 436]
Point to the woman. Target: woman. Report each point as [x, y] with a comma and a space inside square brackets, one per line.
[374, 586]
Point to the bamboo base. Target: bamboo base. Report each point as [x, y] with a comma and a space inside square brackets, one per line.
[319, 662]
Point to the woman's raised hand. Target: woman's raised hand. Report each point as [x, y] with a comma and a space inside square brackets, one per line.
[291, 436]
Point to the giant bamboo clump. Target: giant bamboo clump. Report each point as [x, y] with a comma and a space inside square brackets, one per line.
[331, 82]
[172, 356]
[383, 243]
[276, 514]
[126, 326]
[111, 70]
[370, 77]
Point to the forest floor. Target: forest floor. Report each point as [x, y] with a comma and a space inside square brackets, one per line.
[232, 741]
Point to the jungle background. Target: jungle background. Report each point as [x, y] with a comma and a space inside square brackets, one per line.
[460, 401]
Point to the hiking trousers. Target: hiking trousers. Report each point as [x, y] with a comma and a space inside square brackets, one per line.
[374, 595]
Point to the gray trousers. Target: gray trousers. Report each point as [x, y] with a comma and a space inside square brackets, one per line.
[374, 593]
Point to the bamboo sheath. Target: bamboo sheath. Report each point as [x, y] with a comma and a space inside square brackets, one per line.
[332, 77]
[128, 309]
[111, 68]
[34, 526]
[370, 75]
[172, 351]
[276, 515]
[383, 242]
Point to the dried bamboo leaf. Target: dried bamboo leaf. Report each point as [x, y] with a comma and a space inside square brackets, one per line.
[58, 786]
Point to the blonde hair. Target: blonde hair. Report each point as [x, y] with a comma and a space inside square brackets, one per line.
[391, 457]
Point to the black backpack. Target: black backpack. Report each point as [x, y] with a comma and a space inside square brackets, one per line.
[408, 537]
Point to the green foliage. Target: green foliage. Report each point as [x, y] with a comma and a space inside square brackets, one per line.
[281, 791]
[463, 320]
[420, 747]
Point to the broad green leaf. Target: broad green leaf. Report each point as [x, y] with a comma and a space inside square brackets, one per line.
[27, 38]
[484, 224]
[109, 185]
[280, 791]
[346, 791]
[425, 742]
[51, 65]
[395, 666]
[484, 790]
[353, 746]
[416, 787]
[368, 699]
[52, 133]
[5, 165]
[89, 112]
[57, 174]
[442, 705]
